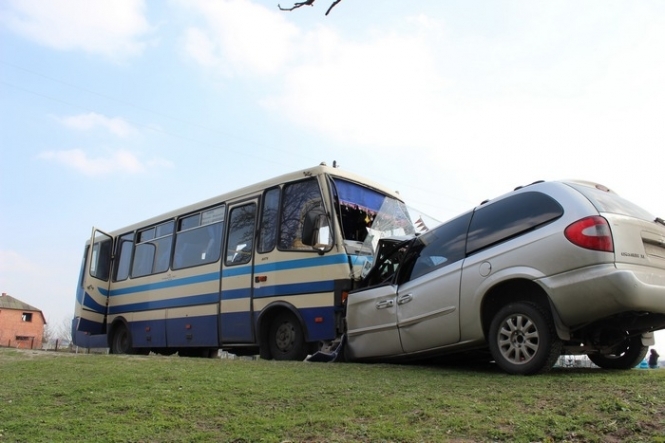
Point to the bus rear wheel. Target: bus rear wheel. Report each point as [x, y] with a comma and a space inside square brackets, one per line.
[286, 339]
[121, 340]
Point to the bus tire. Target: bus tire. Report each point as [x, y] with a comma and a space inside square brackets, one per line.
[286, 339]
[121, 340]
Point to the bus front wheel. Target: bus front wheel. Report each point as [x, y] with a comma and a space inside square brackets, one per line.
[286, 338]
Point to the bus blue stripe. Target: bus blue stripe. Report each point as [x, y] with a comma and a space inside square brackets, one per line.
[280, 290]
[324, 260]
[202, 299]
[233, 272]
[91, 304]
[164, 284]
[234, 294]
[295, 289]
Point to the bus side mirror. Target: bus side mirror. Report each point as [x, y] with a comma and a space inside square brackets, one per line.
[316, 230]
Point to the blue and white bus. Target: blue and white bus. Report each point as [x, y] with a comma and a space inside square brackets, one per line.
[264, 269]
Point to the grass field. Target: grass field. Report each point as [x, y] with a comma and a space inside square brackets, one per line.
[47, 396]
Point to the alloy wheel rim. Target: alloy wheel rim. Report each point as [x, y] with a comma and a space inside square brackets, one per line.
[518, 339]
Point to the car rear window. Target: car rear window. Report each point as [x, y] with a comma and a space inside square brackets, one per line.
[509, 218]
[610, 202]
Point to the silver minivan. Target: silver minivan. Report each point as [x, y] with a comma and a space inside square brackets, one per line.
[552, 268]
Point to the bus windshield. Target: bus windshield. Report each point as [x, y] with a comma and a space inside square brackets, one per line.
[367, 215]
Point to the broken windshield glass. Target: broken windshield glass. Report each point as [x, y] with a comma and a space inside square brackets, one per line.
[366, 216]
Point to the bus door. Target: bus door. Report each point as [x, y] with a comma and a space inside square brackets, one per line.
[93, 291]
[236, 316]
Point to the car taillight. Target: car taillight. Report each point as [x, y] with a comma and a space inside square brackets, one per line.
[591, 233]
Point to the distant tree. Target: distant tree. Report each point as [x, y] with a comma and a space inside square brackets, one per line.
[48, 333]
[64, 330]
[58, 333]
[307, 3]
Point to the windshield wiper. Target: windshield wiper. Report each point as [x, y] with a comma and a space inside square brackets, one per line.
[660, 220]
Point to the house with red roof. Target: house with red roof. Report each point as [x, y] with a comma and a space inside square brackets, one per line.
[21, 325]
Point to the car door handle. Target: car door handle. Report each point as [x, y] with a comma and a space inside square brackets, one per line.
[404, 299]
[385, 304]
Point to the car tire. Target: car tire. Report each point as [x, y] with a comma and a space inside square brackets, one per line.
[626, 356]
[523, 340]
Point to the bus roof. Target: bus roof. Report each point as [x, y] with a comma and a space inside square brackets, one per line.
[256, 188]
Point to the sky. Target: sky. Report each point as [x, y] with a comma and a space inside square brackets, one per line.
[115, 111]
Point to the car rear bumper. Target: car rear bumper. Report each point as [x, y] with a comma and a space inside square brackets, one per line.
[590, 294]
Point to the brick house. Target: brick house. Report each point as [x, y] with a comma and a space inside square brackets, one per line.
[21, 325]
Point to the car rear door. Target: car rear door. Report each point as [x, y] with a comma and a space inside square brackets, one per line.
[428, 309]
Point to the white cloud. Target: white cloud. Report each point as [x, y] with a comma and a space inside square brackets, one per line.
[246, 37]
[385, 91]
[379, 91]
[91, 120]
[113, 28]
[119, 161]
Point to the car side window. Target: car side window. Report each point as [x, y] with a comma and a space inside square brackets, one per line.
[509, 218]
[387, 263]
[439, 247]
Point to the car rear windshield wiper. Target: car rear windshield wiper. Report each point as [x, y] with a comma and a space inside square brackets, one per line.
[660, 220]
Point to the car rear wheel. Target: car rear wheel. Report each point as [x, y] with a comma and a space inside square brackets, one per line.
[626, 355]
[523, 340]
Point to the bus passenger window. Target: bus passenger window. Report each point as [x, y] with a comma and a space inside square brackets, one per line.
[199, 238]
[153, 250]
[163, 243]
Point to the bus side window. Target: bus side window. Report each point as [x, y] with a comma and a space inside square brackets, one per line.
[84, 266]
[242, 220]
[199, 238]
[153, 250]
[144, 255]
[299, 199]
[163, 243]
[268, 231]
[101, 258]
[123, 257]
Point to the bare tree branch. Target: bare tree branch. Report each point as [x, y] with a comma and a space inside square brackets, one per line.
[332, 6]
[297, 5]
[307, 3]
